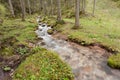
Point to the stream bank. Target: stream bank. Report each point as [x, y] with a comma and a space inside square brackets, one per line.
[87, 63]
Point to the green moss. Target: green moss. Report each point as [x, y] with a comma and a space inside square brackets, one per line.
[44, 65]
[114, 61]
[50, 31]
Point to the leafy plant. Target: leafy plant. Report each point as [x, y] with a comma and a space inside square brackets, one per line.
[6, 68]
[22, 51]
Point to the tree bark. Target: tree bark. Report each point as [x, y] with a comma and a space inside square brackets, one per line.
[23, 9]
[59, 16]
[51, 7]
[41, 5]
[83, 5]
[77, 3]
[11, 8]
[29, 6]
[45, 8]
[94, 3]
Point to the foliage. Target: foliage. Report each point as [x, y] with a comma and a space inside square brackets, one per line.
[114, 61]
[22, 50]
[6, 68]
[44, 65]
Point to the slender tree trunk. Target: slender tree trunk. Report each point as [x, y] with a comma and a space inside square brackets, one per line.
[11, 8]
[41, 5]
[45, 8]
[29, 6]
[77, 3]
[59, 16]
[83, 5]
[23, 9]
[94, 7]
[51, 7]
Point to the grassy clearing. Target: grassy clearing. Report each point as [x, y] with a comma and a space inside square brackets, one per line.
[44, 65]
[95, 31]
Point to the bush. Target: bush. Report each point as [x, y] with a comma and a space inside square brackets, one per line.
[44, 65]
[114, 61]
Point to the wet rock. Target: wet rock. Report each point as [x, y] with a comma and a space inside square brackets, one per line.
[40, 38]
[42, 43]
[50, 31]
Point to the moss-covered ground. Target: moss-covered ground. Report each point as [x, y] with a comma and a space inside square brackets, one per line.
[15, 39]
[44, 65]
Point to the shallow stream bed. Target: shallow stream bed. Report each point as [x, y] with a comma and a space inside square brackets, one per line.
[86, 63]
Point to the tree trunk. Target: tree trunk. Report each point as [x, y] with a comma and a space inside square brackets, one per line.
[94, 3]
[23, 9]
[11, 8]
[45, 8]
[29, 6]
[77, 3]
[41, 6]
[51, 7]
[83, 5]
[59, 16]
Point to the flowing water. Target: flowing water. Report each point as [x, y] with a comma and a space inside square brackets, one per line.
[86, 63]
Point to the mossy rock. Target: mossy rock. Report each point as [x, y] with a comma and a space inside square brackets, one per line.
[114, 61]
[44, 65]
[50, 31]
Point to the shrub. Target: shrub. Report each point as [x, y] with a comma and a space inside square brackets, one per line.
[114, 61]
